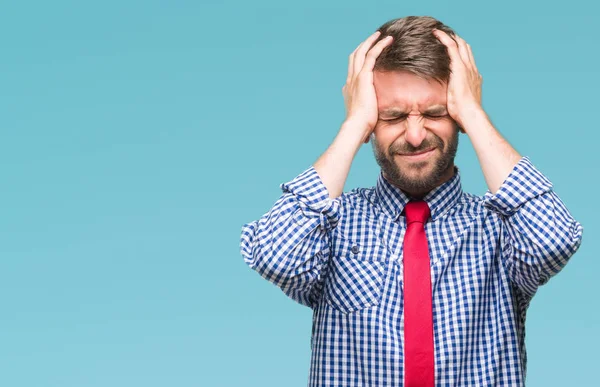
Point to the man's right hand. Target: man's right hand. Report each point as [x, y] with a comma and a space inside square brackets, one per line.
[359, 93]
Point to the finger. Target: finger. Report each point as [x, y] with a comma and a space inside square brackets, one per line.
[359, 55]
[449, 42]
[464, 52]
[350, 67]
[374, 53]
[471, 58]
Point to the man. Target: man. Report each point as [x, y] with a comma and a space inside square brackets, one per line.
[414, 282]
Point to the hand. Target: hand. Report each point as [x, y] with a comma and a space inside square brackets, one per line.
[464, 86]
[359, 92]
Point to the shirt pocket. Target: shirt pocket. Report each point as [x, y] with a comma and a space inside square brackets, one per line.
[356, 275]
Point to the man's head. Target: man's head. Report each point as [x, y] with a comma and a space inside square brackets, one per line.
[410, 79]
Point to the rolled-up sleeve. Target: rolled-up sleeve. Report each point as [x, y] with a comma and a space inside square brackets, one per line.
[289, 245]
[539, 234]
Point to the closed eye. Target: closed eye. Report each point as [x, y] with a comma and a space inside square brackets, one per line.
[395, 119]
[435, 116]
[429, 116]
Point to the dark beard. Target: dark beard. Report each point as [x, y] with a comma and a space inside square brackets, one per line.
[428, 182]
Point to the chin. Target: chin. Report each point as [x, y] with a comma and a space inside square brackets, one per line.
[417, 164]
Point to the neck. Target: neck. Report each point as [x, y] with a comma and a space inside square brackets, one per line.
[420, 195]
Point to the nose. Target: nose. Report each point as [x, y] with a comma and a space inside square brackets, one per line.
[415, 130]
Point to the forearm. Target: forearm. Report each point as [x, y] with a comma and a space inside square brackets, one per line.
[334, 164]
[289, 244]
[538, 233]
[496, 156]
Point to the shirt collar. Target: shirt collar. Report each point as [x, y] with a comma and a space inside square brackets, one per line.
[392, 199]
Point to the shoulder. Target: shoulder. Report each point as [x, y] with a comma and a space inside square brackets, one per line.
[361, 199]
[473, 206]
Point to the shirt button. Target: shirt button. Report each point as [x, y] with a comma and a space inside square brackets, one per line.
[355, 249]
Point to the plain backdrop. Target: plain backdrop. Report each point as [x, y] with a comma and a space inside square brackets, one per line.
[137, 137]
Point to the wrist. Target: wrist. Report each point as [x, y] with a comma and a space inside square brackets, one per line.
[352, 135]
[472, 117]
[357, 127]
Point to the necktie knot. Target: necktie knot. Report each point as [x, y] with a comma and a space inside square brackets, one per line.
[417, 211]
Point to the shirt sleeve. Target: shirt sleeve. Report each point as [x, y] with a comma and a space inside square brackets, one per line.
[539, 234]
[289, 245]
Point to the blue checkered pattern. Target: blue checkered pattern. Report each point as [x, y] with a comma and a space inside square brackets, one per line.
[342, 257]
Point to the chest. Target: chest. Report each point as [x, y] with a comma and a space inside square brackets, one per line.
[366, 259]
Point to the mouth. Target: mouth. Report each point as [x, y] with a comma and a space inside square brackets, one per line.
[418, 156]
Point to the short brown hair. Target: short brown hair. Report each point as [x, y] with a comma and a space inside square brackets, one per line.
[414, 48]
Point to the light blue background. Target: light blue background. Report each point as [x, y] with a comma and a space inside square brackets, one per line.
[137, 137]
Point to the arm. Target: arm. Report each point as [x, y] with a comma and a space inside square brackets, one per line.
[539, 234]
[289, 245]
[496, 156]
[334, 164]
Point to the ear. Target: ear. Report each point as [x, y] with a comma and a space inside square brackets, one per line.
[459, 128]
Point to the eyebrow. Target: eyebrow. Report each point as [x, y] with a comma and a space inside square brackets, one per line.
[394, 111]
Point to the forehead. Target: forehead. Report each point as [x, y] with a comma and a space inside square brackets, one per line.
[402, 89]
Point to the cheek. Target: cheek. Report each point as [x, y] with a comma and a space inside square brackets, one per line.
[445, 134]
[383, 144]
[386, 135]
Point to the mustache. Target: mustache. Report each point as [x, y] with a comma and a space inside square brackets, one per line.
[407, 148]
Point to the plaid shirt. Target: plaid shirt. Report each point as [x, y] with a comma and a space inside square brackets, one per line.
[342, 257]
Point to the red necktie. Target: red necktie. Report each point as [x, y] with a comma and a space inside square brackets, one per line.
[418, 320]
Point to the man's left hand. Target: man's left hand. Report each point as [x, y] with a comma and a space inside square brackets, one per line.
[464, 86]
